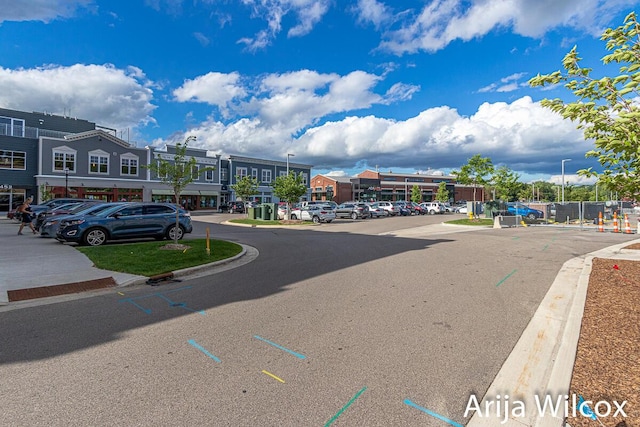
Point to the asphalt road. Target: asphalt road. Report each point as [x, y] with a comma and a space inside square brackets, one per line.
[353, 323]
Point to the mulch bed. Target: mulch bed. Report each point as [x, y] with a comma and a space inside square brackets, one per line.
[607, 366]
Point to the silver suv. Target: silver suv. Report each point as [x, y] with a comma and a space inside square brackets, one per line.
[388, 207]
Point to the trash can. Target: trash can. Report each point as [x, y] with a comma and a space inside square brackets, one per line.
[273, 211]
[265, 212]
[251, 212]
[258, 211]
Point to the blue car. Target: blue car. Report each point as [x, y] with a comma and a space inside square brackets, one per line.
[126, 221]
[525, 211]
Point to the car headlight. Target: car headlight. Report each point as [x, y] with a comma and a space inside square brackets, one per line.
[74, 222]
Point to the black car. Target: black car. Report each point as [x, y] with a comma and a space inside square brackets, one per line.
[235, 207]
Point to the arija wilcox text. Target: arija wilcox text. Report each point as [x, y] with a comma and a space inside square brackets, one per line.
[560, 406]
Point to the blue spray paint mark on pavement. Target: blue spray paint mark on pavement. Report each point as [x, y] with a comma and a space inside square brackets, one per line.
[202, 349]
[505, 279]
[162, 295]
[433, 414]
[298, 355]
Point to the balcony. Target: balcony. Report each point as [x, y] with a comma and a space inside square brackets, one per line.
[29, 132]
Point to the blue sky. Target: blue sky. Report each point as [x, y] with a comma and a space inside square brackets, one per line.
[344, 85]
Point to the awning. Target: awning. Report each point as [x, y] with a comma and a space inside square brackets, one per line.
[209, 193]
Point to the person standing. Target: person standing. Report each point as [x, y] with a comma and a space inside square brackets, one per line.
[27, 218]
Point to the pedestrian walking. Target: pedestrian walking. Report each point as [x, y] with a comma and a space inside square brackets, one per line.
[26, 213]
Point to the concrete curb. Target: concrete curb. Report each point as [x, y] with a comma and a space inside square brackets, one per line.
[541, 363]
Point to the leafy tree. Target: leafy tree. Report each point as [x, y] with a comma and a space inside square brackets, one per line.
[506, 184]
[177, 174]
[245, 187]
[289, 188]
[416, 194]
[477, 171]
[606, 108]
[443, 194]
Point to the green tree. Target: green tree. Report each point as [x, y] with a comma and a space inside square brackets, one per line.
[477, 171]
[245, 187]
[443, 194]
[289, 188]
[506, 184]
[177, 174]
[416, 194]
[606, 108]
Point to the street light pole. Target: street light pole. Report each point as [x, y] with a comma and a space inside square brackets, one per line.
[66, 182]
[563, 160]
[289, 155]
[406, 190]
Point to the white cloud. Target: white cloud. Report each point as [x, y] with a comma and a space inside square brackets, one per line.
[202, 39]
[307, 12]
[442, 21]
[40, 10]
[522, 135]
[373, 11]
[101, 93]
[213, 88]
[506, 84]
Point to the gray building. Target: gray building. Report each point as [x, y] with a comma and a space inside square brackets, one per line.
[265, 172]
[20, 133]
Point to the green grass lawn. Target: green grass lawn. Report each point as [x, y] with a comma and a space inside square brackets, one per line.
[476, 222]
[147, 259]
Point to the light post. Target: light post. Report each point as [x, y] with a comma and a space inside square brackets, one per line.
[563, 160]
[406, 190]
[66, 182]
[289, 155]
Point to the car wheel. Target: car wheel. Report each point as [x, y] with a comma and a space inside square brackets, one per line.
[432, 212]
[94, 237]
[316, 220]
[175, 233]
[354, 215]
[293, 216]
[329, 220]
[531, 216]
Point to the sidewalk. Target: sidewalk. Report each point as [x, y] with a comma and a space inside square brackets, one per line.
[31, 265]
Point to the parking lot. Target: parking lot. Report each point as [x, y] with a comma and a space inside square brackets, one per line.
[351, 323]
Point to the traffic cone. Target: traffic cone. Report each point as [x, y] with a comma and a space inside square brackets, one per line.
[615, 223]
[600, 223]
[627, 226]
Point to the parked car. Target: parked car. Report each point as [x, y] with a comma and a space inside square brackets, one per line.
[417, 209]
[65, 209]
[235, 207]
[447, 207]
[401, 209]
[461, 209]
[51, 224]
[388, 208]
[433, 208]
[523, 210]
[353, 210]
[376, 211]
[406, 205]
[315, 213]
[126, 221]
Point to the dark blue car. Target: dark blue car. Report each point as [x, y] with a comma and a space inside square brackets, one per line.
[126, 221]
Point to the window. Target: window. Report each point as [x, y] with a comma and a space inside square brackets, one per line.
[305, 178]
[254, 173]
[98, 162]
[129, 164]
[195, 171]
[64, 159]
[208, 175]
[224, 174]
[13, 160]
[11, 127]
[158, 209]
[241, 172]
[283, 173]
[162, 171]
[266, 176]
